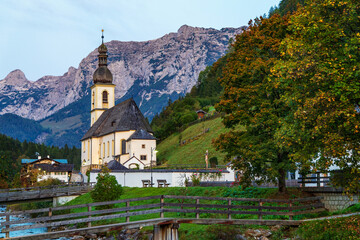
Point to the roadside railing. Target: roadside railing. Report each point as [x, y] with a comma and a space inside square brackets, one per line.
[190, 166]
[16, 194]
[183, 207]
[320, 180]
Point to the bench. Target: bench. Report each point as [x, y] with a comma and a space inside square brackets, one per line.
[146, 183]
[162, 183]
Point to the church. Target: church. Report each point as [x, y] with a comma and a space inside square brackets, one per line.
[117, 132]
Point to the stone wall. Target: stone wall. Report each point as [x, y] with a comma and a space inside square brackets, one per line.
[337, 201]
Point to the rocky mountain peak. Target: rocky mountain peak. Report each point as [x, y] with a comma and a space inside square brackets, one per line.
[15, 78]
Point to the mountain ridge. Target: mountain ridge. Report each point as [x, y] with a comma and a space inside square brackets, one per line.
[152, 72]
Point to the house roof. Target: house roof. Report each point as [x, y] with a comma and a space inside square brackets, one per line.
[124, 116]
[55, 167]
[133, 157]
[115, 165]
[141, 134]
[25, 161]
[200, 111]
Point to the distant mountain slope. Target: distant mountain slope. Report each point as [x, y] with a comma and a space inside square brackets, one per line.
[22, 129]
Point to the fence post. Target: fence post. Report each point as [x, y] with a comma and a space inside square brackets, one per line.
[127, 205]
[290, 210]
[89, 210]
[260, 209]
[162, 206]
[229, 209]
[7, 234]
[197, 208]
[50, 214]
[318, 179]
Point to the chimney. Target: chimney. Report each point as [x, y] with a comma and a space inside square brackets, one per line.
[39, 157]
[48, 156]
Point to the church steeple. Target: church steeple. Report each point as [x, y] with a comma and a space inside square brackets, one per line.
[102, 73]
[103, 90]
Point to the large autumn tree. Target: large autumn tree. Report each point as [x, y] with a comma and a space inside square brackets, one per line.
[252, 101]
[319, 74]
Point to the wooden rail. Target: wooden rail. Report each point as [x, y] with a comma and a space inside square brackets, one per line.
[217, 209]
[318, 181]
[30, 193]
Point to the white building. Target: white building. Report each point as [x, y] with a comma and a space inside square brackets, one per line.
[46, 168]
[172, 177]
[118, 132]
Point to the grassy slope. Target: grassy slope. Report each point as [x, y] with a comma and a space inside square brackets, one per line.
[187, 231]
[317, 229]
[193, 152]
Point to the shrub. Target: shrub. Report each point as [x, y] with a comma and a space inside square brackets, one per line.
[213, 162]
[48, 182]
[106, 188]
[331, 229]
[195, 179]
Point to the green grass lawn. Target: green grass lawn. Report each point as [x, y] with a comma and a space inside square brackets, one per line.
[170, 152]
[187, 230]
[320, 229]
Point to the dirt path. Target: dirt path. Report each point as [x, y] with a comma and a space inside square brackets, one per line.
[331, 217]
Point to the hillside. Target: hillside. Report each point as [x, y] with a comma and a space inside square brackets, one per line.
[170, 152]
[22, 128]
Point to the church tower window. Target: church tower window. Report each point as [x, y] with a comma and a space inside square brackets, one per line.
[105, 97]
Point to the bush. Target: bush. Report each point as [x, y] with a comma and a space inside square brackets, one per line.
[213, 162]
[48, 182]
[331, 229]
[106, 188]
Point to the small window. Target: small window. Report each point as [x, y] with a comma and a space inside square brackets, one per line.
[113, 123]
[105, 96]
[123, 146]
[143, 157]
[143, 146]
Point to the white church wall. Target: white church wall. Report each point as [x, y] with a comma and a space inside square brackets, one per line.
[94, 151]
[106, 151]
[137, 150]
[122, 136]
[133, 162]
[176, 179]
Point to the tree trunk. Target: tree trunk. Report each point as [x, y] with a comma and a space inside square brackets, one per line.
[282, 181]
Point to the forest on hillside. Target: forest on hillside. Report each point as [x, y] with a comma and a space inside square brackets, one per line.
[291, 80]
[207, 91]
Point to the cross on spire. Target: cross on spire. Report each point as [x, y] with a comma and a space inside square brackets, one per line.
[102, 35]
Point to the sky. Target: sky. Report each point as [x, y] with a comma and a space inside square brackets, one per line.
[46, 37]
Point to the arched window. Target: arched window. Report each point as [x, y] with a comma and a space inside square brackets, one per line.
[123, 146]
[93, 98]
[105, 97]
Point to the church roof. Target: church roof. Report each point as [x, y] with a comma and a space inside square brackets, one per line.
[141, 134]
[115, 165]
[124, 116]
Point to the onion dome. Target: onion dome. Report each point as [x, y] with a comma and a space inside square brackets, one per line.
[102, 74]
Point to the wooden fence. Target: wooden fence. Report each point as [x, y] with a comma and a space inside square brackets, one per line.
[153, 207]
[320, 180]
[21, 194]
